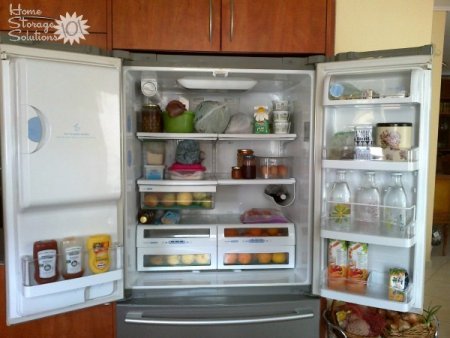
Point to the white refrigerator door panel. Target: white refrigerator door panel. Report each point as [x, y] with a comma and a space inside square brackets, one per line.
[62, 123]
[61, 172]
[404, 87]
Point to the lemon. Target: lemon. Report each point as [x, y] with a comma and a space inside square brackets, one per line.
[184, 198]
[340, 213]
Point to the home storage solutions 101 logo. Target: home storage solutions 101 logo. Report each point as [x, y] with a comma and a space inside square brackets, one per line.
[32, 25]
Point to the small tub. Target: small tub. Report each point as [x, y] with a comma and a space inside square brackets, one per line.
[154, 172]
[281, 127]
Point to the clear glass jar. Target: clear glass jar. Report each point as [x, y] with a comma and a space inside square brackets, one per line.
[368, 201]
[339, 207]
[151, 116]
[394, 215]
[248, 168]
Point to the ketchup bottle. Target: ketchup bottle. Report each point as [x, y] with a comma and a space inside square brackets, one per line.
[45, 254]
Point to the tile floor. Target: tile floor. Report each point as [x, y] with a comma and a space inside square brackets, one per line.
[437, 288]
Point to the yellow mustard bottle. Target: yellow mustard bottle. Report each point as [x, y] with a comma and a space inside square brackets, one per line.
[98, 251]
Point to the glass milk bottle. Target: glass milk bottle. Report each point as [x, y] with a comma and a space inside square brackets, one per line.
[339, 207]
[394, 201]
[368, 202]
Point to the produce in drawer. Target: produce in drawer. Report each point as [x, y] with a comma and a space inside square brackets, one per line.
[203, 259]
[257, 258]
[256, 215]
[256, 232]
[177, 200]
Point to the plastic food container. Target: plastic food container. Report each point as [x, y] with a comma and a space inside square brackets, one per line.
[179, 171]
[281, 127]
[280, 116]
[273, 167]
[280, 105]
[154, 153]
[183, 123]
[153, 172]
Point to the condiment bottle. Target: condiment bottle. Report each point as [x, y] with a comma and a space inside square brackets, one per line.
[248, 168]
[339, 201]
[72, 252]
[45, 254]
[98, 251]
[146, 216]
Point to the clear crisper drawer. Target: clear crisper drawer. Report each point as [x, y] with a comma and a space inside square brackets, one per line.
[255, 257]
[173, 258]
[177, 197]
[370, 219]
[90, 275]
[256, 234]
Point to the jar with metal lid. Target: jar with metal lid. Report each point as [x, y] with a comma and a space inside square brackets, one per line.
[151, 119]
[240, 155]
[236, 173]
[248, 168]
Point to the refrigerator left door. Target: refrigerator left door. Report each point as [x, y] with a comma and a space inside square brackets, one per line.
[62, 177]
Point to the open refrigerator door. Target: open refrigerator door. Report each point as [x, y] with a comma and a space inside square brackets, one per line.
[61, 179]
[371, 161]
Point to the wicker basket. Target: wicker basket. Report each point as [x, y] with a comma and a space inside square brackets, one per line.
[418, 331]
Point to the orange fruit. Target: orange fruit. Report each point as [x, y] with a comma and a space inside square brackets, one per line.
[272, 231]
[254, 232]
[264, 258]
[244, 258]
[231, 232]
[279, 257]
[230, 258]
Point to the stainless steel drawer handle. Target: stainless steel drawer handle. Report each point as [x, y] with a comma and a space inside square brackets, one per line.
[139, 318]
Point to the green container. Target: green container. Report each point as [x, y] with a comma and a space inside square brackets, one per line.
[183, 123]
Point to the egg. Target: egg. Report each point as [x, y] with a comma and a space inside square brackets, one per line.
[264, 171]
[283, 171]
[273, 171]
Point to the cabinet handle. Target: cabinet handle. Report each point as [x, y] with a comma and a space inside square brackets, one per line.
[140, 318]
[231, 19]
[210, 21]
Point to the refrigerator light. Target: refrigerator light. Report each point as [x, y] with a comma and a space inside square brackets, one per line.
[217, 83]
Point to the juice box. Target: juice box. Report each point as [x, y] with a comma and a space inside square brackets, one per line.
[337, 264]
[358, 254]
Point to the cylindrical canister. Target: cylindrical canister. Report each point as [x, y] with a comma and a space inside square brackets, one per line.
[394, 135]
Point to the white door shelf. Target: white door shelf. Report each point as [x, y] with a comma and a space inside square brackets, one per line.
[371, 165]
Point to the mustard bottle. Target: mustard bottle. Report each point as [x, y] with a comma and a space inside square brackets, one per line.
[98, 251]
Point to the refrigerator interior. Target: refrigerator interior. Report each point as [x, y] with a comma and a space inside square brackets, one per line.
[231, 197]
[399, 92]
[61, 174]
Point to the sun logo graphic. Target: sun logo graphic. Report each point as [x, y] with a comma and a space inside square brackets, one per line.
[71, 28]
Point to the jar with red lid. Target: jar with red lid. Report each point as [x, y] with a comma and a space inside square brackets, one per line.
[151, 119]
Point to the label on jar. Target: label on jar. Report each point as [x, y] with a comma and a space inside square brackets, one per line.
[47, 263]
[73, 260]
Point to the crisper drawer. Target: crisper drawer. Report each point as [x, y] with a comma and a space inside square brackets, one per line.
[173, 248]
[177, 197]
[256, 246]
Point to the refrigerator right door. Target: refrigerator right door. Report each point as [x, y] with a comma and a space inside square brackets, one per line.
[371, 161]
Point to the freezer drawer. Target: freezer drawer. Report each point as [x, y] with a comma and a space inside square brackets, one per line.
[272, 317]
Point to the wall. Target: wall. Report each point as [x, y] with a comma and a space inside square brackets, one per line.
[390, 24]
[382, 24]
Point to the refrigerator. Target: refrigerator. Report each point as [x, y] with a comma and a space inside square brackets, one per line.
[74, 164]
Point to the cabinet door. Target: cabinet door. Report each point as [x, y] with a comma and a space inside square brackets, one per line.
[177, 25]
[34, 20]
[273, 26]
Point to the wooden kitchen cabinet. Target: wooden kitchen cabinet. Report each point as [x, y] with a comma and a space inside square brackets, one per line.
[19, 18]
[228, 26]
[175, 25]
[94, 322]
